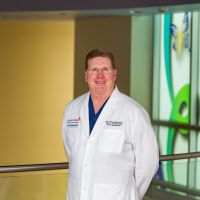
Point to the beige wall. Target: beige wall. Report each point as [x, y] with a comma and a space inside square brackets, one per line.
[36, 80]
[110, 33]
[34, 186]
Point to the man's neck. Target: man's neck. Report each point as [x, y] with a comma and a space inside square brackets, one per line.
[99, 99]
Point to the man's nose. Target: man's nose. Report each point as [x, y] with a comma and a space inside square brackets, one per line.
[100, 72]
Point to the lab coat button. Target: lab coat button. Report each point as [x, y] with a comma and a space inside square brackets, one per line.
[90, 141]
[84, 187]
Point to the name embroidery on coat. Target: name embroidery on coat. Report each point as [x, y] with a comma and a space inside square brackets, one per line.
[114, 123]
[73, 123]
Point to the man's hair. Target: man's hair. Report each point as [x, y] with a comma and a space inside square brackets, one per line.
[99, 53]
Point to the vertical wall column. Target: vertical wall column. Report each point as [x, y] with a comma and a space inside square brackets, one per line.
[142, 59]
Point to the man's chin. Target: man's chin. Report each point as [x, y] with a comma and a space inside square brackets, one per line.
[99, 90]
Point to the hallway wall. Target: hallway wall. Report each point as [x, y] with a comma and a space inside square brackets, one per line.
[36, 80]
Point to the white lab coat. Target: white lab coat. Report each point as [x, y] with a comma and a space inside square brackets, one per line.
[120, 157]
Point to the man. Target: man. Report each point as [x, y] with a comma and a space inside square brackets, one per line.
[108, 138]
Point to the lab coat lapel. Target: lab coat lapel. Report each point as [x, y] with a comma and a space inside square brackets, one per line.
[106, 113]
[84, 115]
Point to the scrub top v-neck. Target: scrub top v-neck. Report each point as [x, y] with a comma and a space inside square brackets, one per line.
[92, 116]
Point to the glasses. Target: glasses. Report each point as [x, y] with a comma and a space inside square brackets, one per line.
[104, 70]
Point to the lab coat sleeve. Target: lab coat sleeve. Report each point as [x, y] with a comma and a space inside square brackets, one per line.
[146, 152]
[65, 134]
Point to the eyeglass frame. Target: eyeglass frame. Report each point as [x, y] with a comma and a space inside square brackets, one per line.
[103, 70]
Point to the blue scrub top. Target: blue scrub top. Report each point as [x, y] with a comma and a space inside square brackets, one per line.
[92, 116]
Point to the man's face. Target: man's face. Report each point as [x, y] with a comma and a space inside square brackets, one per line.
[100, 76]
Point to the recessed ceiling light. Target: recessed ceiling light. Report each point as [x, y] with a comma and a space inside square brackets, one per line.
[134, 12]
[162, 10]
[131, 11]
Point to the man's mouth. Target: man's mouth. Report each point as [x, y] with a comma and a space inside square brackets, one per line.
[100, 82]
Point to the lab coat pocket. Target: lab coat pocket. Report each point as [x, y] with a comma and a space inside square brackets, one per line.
[109, 192]
[111, 141]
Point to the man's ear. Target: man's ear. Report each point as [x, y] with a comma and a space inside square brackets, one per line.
[86, 76]
[115, 73]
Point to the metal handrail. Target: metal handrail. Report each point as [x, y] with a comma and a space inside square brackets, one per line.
[34, 167]
[180, 156]
[176, 125]
[65, 165]
[175, 186]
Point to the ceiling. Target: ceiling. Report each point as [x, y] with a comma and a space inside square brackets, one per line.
[65, 9]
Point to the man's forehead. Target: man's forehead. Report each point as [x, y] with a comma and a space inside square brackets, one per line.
[100, 61]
